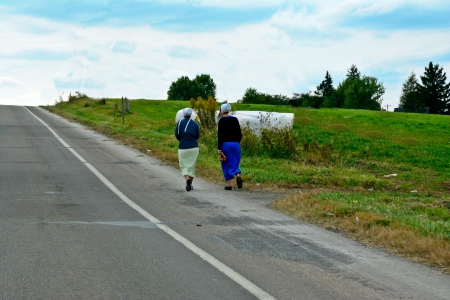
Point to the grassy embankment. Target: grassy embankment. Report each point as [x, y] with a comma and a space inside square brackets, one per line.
[382, 178]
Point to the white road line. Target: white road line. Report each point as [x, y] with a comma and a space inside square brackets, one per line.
[238, 278]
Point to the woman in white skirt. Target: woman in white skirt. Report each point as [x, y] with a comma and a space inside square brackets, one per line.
[187, 133]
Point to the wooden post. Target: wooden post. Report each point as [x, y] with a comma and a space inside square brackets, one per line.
[123, 112]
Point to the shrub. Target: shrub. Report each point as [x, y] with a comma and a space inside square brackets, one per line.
[278, 143]
[206, 111]
[250, 142]
[273, 142]
[77, 96]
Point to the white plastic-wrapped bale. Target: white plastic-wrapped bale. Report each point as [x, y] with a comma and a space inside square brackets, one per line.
[255, 120]
[258, 120]
[179, 115]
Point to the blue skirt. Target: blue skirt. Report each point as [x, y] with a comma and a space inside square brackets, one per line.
[230, 167]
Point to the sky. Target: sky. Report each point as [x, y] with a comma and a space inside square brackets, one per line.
[137, 48]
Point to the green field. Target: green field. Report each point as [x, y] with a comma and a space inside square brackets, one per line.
[381, 177]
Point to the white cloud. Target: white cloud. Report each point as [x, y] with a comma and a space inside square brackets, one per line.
[370, 7]
[63, 80]
[27, 99]
[6, 81]
[93, 84]
[298, 20]
[30, 96]
[185, 52]
[123, 47]
[92, 56]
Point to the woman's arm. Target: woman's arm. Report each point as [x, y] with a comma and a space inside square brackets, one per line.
[238, 130]
[220, 134]
[178, 130]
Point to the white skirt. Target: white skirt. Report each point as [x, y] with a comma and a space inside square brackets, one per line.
[187, 158]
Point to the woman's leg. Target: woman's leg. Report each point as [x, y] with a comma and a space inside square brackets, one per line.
[239, 180]
[188, 183]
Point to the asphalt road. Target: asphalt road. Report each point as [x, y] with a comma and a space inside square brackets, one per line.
[82, 217]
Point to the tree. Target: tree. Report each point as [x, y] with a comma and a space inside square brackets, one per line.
[250, 96]
[434, 90]
[207, 86]
[185, 89]
[353, 73]
[410, 99]
[325, 91]
[357, 92]
[325, 88]
[180, 89]
[364, 93]
[342, 92]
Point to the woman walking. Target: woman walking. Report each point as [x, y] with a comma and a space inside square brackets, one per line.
[187, 133]
[229, 138]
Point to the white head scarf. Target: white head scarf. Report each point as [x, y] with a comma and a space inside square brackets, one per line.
[226, 107]
[187, 112]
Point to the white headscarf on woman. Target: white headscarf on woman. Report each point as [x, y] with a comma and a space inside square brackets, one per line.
[226, 107]
[187, 112]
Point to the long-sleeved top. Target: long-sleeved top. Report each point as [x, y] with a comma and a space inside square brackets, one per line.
[187, 132]
[229, 130]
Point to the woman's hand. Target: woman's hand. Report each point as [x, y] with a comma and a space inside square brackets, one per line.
[222, 156]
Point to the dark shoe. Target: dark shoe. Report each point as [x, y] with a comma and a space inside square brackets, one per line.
[228, 188]
[188, 184]
[239, 182]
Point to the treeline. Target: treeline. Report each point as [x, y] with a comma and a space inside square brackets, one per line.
[356, 91]
[253, 96]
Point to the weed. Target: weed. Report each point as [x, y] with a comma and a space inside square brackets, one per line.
[206, 111]
[59, 100]
[116, 110]
[316, 154]
[76, 96]
[380, 222]
[273, 141]
[250, 142]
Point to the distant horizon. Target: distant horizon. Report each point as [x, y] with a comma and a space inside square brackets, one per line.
[136, 48]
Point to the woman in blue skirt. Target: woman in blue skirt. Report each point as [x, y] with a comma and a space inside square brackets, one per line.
[229, 138]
